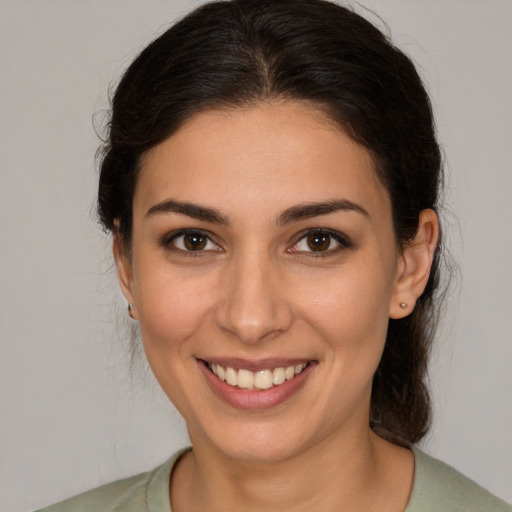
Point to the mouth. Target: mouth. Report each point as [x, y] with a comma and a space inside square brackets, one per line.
[256, 385]
[263, 379]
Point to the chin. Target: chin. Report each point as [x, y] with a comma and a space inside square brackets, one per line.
[255, 443]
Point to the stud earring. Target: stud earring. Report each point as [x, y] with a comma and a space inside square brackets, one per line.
[130, 310]
[403, 305]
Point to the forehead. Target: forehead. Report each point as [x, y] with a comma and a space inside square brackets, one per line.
[267, 157]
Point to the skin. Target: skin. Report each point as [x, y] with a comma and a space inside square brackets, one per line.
[257, 290]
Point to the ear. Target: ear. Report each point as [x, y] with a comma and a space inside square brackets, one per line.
[414, 265]
[124, 271]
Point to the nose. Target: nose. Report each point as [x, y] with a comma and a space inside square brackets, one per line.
[253, 305]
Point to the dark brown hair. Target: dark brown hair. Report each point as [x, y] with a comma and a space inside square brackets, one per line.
[238, 53]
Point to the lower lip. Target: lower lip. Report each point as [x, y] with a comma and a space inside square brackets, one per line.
[255, 399]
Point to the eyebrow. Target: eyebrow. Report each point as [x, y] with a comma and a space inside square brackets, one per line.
[189, 209]
[293, 214]
[308, 210]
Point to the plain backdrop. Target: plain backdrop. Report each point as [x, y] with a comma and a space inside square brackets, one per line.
[74, 412]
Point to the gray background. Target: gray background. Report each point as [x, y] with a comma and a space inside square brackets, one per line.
[73, 414]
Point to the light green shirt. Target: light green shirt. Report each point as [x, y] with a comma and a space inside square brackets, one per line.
[437, 488]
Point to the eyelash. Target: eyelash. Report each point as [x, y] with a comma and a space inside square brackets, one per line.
[169, 241]
[344, 242]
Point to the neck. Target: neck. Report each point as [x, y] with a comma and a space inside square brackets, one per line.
[366, 473]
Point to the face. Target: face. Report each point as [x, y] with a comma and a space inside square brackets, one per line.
[263, 269]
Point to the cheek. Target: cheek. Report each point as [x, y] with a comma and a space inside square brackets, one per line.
[350, 309]
[172, 311]
[171, 306]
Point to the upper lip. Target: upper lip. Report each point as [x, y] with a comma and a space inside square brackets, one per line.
[256, 365]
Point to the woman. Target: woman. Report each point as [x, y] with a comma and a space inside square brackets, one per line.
[271, 182]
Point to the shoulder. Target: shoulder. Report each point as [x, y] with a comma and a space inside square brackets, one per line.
[145, 492]
[126, 494]
[438, 487]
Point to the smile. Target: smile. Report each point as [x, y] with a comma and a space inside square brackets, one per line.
[259, 380]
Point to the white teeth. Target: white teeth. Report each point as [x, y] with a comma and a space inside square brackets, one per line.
[263, 379]
[278, 376]
[290, 372]
[231, 376]
[245, 379]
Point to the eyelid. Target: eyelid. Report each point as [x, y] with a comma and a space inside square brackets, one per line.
[167, 240]
[343, 241]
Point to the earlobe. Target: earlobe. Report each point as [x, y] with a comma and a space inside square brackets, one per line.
[416, 261]
[124, 272]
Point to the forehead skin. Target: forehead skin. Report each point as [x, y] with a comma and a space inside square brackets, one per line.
[274, 155]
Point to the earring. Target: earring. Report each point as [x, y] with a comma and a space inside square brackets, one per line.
[130, 310]
[403, 305]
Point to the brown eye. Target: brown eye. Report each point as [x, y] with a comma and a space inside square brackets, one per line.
[318, 241]
[194, 241]
[321, 241]
[191, 241]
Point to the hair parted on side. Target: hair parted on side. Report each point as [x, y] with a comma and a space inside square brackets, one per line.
[229, 54]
